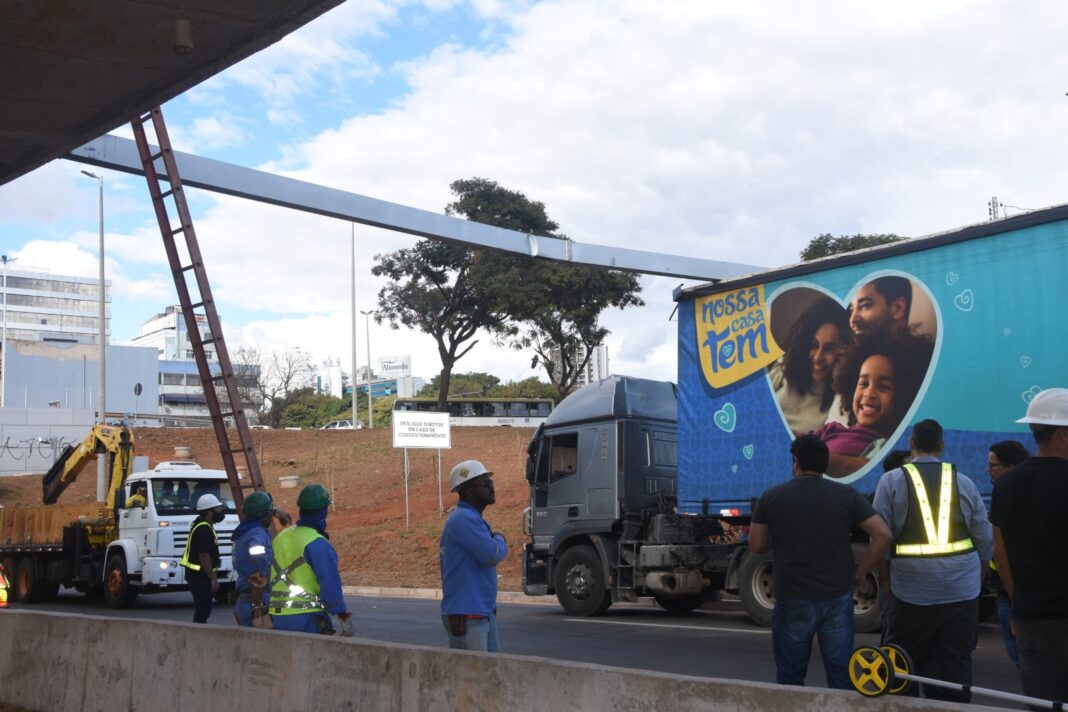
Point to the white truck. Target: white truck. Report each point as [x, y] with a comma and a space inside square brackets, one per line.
[122, 547]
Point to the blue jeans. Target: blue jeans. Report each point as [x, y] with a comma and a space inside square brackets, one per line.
[795, 622]
[481, 635]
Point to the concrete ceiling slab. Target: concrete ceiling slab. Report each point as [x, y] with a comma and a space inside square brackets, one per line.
[72, 70]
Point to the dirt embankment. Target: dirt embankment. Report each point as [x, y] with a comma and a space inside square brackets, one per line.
[366, 475]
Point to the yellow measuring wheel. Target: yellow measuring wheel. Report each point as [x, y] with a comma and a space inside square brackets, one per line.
[902, 666]
[871, 671]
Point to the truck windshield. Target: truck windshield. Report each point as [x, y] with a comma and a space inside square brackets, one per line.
[179, 495]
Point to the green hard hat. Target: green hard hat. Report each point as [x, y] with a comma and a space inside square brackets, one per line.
[258, 504]
[313, 498]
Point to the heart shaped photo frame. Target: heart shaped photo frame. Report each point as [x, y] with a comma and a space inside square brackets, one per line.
[853, 371]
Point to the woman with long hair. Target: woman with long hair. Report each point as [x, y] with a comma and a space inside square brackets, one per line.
[802, 379]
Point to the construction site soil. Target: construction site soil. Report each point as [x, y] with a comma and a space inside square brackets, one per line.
[366, 475]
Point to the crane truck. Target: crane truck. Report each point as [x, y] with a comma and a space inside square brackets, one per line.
[127, 545]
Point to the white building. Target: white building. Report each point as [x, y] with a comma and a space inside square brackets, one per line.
[596, 368]
[39, 306]
[181, 392]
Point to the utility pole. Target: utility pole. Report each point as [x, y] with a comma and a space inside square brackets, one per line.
[3, 342]
[353, 379]
[101, 475]
[370, 398]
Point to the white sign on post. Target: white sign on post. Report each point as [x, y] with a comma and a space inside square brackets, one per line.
[421, 429]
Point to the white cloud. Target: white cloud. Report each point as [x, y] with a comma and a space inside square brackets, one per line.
[729, 131]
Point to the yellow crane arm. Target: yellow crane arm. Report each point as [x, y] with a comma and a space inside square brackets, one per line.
[115, 441]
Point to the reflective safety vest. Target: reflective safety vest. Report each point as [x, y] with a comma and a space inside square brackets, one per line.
[188, 542]
[921, 536]
[3, 587]
[294, 586]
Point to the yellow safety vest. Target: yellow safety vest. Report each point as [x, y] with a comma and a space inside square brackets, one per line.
[3, 588]
[185, 554]
[294, 586]
[937, 543]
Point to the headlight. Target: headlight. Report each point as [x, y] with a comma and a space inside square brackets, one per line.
[164, 565]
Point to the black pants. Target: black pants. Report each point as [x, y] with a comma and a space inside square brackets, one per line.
[939, 638]
[200, 587]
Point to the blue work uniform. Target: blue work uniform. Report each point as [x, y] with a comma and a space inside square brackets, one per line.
[252, 555]
[320, 555]
[470, 552]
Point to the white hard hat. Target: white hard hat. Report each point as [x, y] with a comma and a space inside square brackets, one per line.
[208, 501]
[1050, 407]
[466, 471]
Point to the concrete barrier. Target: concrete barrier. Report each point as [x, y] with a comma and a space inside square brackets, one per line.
[61, 662]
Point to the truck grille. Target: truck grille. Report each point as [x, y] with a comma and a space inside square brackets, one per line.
[226, 541]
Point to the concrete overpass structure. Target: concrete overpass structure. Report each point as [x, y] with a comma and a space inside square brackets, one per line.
[72, 70]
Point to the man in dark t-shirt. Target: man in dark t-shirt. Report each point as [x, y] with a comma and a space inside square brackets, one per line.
[806, 524]
[1028, 511]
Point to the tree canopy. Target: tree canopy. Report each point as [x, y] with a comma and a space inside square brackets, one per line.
[484, 385]
[827, 244]
[555, 308]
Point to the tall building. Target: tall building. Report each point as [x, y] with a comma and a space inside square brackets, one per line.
[181, 392]
[39, 306]
[596, 368]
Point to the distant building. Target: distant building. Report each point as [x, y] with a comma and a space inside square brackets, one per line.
[596, 368]
[181, 392]
[40, 306]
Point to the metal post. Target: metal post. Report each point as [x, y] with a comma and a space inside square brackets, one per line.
[3, 342]
[353, 379]
[441, 506]
[101, 478]
[407, 518]
[370, 398]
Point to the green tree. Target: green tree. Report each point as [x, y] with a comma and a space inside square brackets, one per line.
[307, 409]
[439, 288]
[555, 307]
[527, 388]
[827, 244]
[462, 384]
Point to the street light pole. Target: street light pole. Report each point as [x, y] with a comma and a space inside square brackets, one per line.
[355, 420]
[101, 476]
[3, 343]
[370, 398]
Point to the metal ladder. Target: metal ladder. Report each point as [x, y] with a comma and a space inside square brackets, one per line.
[181, 265]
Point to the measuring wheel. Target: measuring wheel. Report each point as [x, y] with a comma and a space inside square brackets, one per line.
[871, 671]
[902, 665]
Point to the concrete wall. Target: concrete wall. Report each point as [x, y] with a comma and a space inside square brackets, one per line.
[61, 662]
[32, 438]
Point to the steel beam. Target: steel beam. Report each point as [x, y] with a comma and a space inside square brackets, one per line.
[120, 154]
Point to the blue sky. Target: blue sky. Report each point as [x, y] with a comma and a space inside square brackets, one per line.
[728, 131]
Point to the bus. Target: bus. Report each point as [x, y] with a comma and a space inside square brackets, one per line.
[517, 412]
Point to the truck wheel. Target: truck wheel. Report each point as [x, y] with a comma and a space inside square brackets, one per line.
[118, 591]
[679, 606]
[755, 588]
[27, 587]
[867, 610]
[579, 581]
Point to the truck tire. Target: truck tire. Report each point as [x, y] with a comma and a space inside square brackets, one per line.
[755, 588]
[26, 584]
[580, 584]
[867, 610]
[679, 606]
[118, 591]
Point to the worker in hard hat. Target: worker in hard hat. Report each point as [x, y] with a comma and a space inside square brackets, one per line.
[305, 582]
[3, 586]
[253, 555]
[201, 556]
[470, 552]
[1027, 510]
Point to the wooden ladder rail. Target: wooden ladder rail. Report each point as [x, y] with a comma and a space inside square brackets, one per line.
[210, 381]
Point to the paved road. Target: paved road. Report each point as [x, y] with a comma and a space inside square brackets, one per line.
[715, 643]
